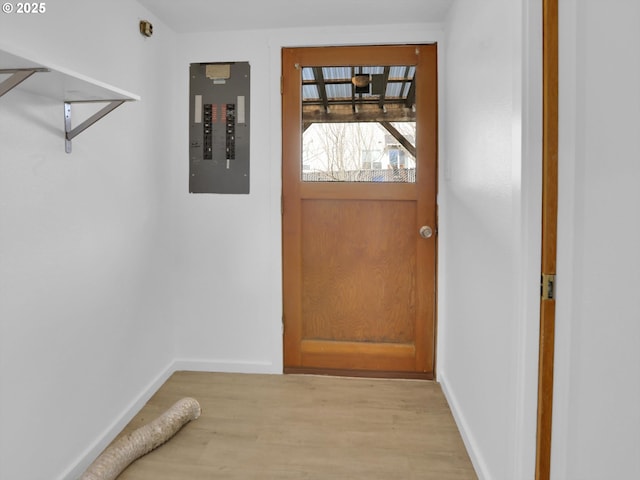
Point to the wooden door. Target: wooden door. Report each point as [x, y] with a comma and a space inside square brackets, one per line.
[358, 277]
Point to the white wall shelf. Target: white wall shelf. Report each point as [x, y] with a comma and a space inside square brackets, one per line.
[60, 84]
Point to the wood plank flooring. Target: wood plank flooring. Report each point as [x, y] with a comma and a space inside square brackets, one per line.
[304, 427]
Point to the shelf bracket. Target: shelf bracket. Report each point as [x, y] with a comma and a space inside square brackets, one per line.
[18, 75]
[71, 133]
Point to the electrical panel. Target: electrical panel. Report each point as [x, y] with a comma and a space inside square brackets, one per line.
[219, 127]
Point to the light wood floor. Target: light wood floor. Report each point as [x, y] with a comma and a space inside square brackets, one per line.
[304, 427]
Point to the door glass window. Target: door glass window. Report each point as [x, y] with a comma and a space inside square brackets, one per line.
[359, 124]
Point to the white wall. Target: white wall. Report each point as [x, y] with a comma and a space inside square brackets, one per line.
[596, 422]
[228, 273]
[85, 324]
[229, 293]
[489, 231]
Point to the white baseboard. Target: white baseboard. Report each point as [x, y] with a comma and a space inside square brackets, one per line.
[470, 443]
[116, 427]
[227, 366]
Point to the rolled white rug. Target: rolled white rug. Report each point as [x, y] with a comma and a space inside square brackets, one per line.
[129, 448]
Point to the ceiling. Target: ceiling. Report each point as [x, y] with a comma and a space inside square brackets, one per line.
[191, 16]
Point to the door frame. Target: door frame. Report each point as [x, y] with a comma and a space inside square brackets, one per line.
[546, 344]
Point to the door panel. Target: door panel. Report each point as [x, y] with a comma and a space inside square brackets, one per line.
[359, 280]
[358, 277]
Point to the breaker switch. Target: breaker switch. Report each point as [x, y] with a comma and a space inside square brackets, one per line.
[207, 133]
[231, 131]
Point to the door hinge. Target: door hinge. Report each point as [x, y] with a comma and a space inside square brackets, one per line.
[283, 325]
[548, 286]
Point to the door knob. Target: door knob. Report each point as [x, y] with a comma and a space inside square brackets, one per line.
[426, 231]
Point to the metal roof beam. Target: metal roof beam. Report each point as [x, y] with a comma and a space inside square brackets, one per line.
[322, 89]
[411, 95]
[385, 80]
[354, 108]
